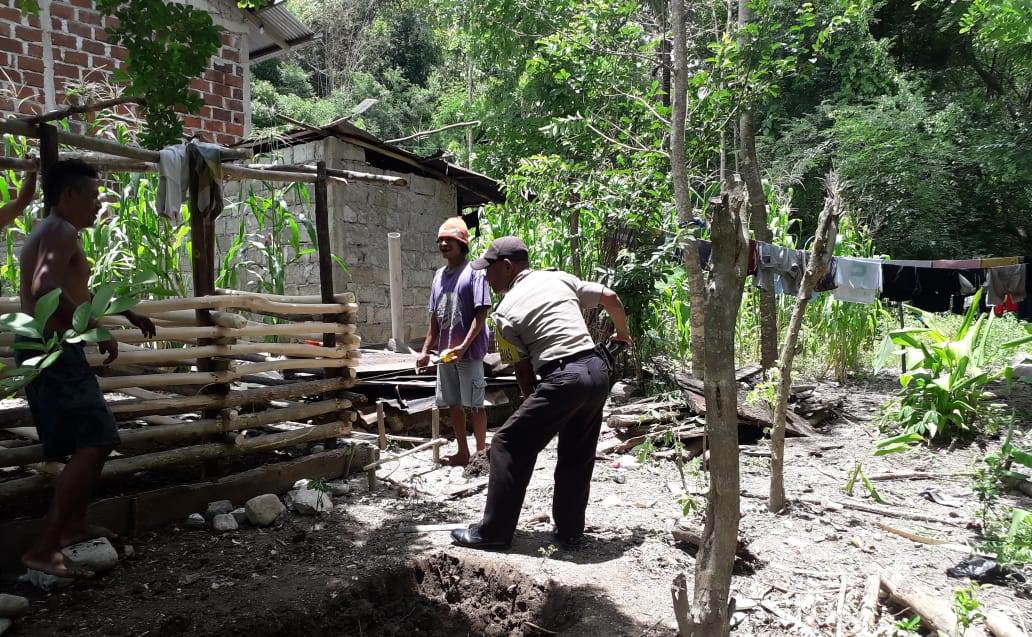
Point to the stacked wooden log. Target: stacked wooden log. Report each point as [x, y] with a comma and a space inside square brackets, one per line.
[284, 387]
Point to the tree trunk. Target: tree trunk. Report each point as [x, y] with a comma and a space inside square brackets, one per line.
[823, 248]
[750, 169]
[682, 197]
[710, 612]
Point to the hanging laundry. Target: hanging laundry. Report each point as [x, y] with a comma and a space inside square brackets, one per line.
[998, 262]
[936, 289]
[1008, 305]
[899, 282]
[911, 262]
[778, 269]
[173, 179]
[957, 264]
[206, 162]
[1006, 280]
[857, 280]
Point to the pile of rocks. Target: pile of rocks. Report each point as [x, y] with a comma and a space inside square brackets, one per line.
[221, 516]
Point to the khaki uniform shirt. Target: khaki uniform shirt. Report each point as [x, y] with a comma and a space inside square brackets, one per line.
[540, 316]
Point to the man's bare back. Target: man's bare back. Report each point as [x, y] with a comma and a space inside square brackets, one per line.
[53, 257]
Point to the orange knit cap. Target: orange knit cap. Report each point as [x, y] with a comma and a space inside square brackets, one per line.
[454, 228]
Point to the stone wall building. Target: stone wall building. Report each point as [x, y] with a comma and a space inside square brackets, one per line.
[65, 50]
[361, 215]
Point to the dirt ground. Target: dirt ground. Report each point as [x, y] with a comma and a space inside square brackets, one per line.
[366, 569]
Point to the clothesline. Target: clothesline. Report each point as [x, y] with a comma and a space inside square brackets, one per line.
[939, 285]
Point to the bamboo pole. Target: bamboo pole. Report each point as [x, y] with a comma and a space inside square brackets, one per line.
[397, 282]
[250, 303]
[339, 297]
[195, 430]
[23, 129]
[376, 463]
[17, 163]
[182, 455]
[177, 355]
[435, 433]
[68, 111]
[350, 175]
[346, 330]
[111, 383]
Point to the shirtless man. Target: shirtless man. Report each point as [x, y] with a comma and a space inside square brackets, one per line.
[67, 404]
[10, 210]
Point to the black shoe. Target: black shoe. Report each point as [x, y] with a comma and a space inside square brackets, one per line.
[571, 542]
[471, 537]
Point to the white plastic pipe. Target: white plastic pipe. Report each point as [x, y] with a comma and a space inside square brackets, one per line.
[397, 283]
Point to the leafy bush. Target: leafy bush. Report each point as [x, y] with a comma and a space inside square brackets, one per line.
[1007, 533]
[943, 388]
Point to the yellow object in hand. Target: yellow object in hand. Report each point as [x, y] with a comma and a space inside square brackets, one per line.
[448, 357]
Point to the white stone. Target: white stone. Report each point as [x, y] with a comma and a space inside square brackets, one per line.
[195, 520]
[45, 581]
[318, 448]
[240, 515]
[311, 502]
[302, 484]
[12, 605]
[218, 508]
[97, 555]
[339, 488]
[4, 625]
[129, 550]
[224, 522]
[262, 510]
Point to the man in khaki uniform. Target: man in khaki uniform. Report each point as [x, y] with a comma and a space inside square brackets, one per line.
[540, 320]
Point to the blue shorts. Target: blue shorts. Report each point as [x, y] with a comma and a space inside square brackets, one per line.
[461, 384]
[67, 405]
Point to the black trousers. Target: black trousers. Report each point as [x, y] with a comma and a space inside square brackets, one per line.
[567, 402]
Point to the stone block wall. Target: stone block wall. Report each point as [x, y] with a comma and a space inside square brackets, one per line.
[65, 48]
[361, 216]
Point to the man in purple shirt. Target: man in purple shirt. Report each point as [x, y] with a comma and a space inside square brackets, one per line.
[459, 301]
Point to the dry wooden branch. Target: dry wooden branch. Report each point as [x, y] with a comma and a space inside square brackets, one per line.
[1001, 626]
[68, 111]
[934, 610]
[176, 355]
[346, 175]
[913, 537]
[682, 604]
[191, 334]
[840, 607]
[893, 513]
[869, 603]
[340, 297]
[427, 133]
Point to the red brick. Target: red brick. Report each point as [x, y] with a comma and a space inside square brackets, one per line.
[4, 62]
[214, 126]
[64, 40]
[216, 77]
[223, 67]
[90, 17]
[191, 121]
[119, 52]
[94, 47]
[235, 106]
[235, 81]
[32, 79]
[84, 4]
[198, 84]
[32, 21]
[77, 58]
[220, 114]
[65, 70]
[9, 14]
[111, 22]
[237, 130]
[35, 50]
[28, 63]
[233, 55]
[95, 75]
[11, 46]
[228, 39]
[220, 89]
[79, 29]
[57, 25]
[205, 112]
[28, 34]
[238, 93]
[63, 11]
[212, 100]
[225, 140]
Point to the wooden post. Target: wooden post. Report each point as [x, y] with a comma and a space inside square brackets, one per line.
[322, 232]
[371, 473]
[902, 324]
[202, 262]
[48, 155]
[397, 342]
[381, 426]
[435, 432]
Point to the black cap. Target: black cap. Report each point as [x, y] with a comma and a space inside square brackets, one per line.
[510, 248]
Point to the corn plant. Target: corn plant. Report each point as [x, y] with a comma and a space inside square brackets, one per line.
[1007, 532]
[943, 388]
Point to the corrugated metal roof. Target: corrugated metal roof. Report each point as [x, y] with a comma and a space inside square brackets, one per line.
[474, 188]
[273, 25]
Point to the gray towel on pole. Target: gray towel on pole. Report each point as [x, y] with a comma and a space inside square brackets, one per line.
[1009, 279]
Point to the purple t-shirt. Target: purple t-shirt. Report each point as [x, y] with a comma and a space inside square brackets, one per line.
[455, 297]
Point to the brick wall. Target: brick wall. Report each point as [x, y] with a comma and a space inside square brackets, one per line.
[73, 50]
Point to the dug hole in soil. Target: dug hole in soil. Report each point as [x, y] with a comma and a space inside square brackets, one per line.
[432, 596]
